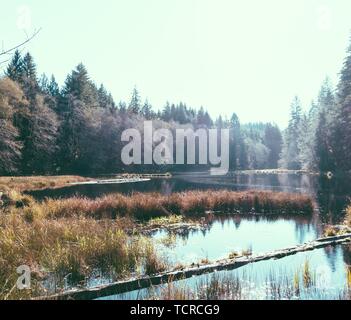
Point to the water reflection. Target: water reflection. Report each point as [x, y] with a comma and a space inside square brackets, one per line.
[330, 283]
[236, 234]
[259, 234]
[330, 194]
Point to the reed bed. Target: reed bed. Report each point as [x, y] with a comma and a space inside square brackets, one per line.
[38, 182]
[72, 239]
[348, 216]
[72, 249]
[145, 206]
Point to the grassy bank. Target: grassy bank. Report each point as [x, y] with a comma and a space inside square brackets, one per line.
[38, 182]
[70, 249]
[144, 206]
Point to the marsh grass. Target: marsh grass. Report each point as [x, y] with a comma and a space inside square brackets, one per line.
[164, 221]
[348, 216]
[73, 238]
[71, 248]
[330, 232]
[146, 206]
[38, 182]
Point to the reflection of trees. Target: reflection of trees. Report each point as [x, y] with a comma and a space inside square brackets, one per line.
[332, 197]
[331, 253]
[297, 183]
[347, 254]
[302, 227]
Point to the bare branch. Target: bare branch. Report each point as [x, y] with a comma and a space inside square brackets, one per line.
[9, 51]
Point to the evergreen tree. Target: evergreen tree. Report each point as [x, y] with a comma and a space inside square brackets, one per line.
[219, 123]
[235, 140]
[29, 68]
[200, 118]
[29, 79]
[53, 88]
[39, 138]
[207, 120]
[290, 153]
[44, 84]
[15, 68]
[122, 107]
[79, 118]
[105, 99]
[146, 111]
[135, 104]
[343, 130]
[181, 114]
[167, 113]
[324, 149]
[79, 86]
[273, 141]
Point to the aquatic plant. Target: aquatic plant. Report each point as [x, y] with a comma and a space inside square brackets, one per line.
[71, 249]
[348, 216]
[38, 182]
[146, 206]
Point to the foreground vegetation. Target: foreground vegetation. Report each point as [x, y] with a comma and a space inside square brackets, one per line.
[144, 206]
[71, 240]
[303, 284]
[69, 251]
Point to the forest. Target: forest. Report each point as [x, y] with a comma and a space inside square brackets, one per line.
[76, 128]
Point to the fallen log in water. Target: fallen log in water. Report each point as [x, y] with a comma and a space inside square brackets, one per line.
[111, 181]
[176, 275]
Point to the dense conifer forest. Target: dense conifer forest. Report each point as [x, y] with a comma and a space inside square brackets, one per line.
[76, 128]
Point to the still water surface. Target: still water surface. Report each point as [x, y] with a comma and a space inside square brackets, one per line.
[257, 234]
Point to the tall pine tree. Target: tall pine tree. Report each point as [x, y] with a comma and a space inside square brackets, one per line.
[15, 68]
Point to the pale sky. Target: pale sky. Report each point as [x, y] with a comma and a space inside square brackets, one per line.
[249, 57]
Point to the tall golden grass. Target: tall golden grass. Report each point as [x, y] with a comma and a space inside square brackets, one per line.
[38, 182]
[144, 206]
[73, 238]
[73, 248]
[348, 216]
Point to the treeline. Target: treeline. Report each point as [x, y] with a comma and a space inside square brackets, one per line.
[320, 139]
[76, 128]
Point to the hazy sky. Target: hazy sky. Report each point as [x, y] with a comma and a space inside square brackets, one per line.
[249, 57]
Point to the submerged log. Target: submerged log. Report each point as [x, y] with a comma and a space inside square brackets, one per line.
[176, 275]
[111, 181]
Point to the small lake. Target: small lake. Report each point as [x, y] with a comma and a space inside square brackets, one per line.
[327, 266]
[330, 194]
[237, 234]
[259, 234]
